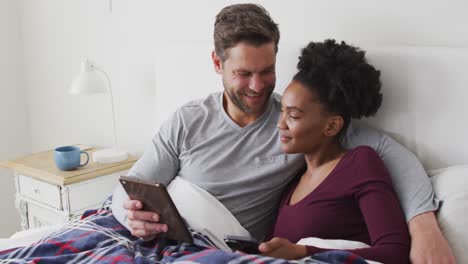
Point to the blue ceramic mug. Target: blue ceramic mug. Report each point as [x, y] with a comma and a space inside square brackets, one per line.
[69, 157]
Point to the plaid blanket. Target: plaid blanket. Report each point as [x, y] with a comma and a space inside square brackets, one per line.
[99, 238]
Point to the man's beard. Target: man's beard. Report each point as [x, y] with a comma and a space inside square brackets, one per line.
[236, 99]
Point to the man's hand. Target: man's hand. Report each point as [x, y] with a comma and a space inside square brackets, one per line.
[282, 248]
[428, 245]
[143, 224]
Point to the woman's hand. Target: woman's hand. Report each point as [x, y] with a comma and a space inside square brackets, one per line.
[282, 248]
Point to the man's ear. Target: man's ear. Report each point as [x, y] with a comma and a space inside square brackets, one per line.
[217, 63]
[334, 125]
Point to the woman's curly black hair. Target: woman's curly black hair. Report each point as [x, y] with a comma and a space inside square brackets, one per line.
[341, 78]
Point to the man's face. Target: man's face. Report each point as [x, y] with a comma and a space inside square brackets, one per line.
[248, 74]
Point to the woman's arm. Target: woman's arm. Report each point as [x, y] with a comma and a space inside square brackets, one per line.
[414, 191]
[369, 183]
[381, 210]
[410, 180]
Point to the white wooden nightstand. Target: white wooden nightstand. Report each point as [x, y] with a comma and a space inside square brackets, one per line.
[46, 195]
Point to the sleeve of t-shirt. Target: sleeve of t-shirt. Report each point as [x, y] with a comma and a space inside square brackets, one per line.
[410, 180]
[372, 189]
[159, 162]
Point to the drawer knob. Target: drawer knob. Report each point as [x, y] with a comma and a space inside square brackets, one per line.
[36, 191]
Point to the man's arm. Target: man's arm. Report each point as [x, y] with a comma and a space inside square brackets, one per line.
[414, 190]
[428, 245]
[160, 162]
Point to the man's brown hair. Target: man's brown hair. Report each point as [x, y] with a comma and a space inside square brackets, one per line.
[250, 23]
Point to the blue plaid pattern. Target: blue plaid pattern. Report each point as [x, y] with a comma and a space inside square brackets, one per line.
[99, 238]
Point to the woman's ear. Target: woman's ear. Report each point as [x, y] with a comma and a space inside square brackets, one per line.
[334, 125]
[217, 63]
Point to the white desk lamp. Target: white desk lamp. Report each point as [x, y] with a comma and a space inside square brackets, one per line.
[91, 81]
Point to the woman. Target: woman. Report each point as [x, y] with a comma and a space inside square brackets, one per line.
[340, 194]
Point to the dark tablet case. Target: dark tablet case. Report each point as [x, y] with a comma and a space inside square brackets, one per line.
[155, 198]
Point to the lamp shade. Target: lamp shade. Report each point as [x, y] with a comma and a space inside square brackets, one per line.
[89, 81]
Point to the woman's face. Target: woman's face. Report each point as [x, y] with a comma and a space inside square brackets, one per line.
[303, 120]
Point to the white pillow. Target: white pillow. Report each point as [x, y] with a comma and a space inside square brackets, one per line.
[204, 213]
[451, 188]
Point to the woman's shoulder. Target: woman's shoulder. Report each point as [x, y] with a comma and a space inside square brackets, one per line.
[368, 164]
[363, 153]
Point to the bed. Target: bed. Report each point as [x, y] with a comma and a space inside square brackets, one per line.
[425, 100]
[424, 106]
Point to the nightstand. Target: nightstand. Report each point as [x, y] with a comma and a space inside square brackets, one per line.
[46, 195]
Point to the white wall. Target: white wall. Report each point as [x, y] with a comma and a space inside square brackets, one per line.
[56, 34]
[59, 33]
[14, 133]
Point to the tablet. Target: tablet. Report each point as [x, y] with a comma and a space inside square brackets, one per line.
[155, 198]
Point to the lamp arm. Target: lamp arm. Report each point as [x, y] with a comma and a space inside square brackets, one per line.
[112, 105]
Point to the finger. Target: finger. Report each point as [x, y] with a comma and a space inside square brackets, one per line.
[144, 234]
[143, 225]
[276, 240]
[148, 238]
[132, 205]
[271, 245]
[142, 215]
[264, 247]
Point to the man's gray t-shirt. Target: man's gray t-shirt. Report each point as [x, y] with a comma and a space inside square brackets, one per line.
[244, 167]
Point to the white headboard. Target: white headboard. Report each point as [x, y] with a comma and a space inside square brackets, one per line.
[425, 92]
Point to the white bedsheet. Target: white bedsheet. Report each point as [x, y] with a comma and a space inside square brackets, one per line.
[27, 237]
[334, 243]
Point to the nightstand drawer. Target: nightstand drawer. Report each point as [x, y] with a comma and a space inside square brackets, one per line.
[39, 216]
[40, 191]
[90, 193]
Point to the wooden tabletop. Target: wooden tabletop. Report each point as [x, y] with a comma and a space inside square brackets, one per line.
[41, 166]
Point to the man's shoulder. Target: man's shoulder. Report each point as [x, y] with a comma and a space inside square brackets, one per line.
[209, 103]
[193, 113]
[276, 102]
[276, 98]
[360, 134]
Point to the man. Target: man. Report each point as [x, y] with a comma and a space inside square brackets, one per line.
[228, 144]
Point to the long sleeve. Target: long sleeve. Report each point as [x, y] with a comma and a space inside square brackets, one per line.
[159, 162]
[409, 178]
[381, 212]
